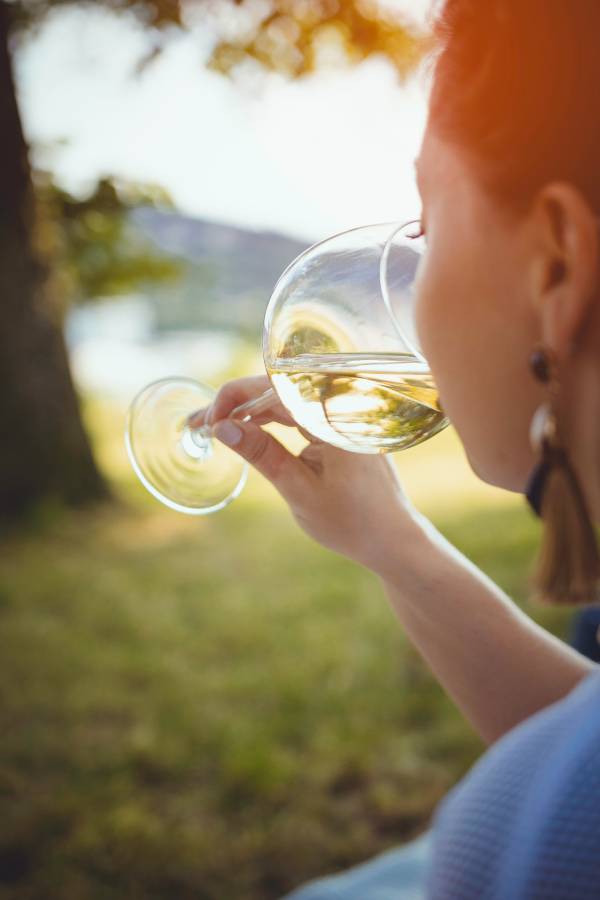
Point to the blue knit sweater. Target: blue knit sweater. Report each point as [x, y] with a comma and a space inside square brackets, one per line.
[525, 821]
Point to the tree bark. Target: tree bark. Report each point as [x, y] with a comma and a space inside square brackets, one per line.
[44, 450]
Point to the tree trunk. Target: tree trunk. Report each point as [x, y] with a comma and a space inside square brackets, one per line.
[44, 451]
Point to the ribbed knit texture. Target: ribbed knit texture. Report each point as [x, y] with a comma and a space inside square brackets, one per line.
[524, 823]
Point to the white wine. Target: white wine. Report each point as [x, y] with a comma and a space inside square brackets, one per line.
[363, 402]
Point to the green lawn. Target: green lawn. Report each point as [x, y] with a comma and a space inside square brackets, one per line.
[218, 708]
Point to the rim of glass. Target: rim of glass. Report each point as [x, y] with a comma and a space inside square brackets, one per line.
[384, 287]
[172, 504]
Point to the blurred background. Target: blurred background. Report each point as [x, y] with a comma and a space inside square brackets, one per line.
[211, 708]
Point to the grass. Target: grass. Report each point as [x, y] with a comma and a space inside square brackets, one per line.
[219, 708]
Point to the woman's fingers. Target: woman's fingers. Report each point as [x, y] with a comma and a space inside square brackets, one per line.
[239, 391]
[234, 393]
[262, 451]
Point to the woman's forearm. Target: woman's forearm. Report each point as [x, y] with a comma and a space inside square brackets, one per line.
[496, 663]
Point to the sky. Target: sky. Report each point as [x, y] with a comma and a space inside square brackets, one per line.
[307, 158]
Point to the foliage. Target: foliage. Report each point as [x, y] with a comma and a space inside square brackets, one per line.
[296, 37]
[155, 13]
[293, 37]
[95, 252]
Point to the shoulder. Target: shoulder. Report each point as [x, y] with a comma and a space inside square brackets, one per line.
[507, 819]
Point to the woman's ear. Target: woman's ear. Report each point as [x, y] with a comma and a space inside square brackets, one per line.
[564, 267]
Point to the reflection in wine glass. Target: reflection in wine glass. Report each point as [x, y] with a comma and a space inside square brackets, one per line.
[343, 357]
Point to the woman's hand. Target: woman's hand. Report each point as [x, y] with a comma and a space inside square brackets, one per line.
[498, 665]
[351, 503]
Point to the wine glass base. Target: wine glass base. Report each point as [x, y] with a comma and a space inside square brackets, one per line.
[196, 445]
[186, 469]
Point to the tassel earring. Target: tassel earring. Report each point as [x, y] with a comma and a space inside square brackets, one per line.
[568, 565]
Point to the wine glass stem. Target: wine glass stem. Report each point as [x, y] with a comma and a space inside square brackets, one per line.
[244, 411]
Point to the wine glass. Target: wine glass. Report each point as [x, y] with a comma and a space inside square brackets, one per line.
[343, 357]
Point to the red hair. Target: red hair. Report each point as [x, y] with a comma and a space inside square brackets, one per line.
[517, 86]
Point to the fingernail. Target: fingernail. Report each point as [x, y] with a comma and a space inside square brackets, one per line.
[228, 432]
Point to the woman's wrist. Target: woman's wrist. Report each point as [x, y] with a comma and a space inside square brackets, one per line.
[402, 549]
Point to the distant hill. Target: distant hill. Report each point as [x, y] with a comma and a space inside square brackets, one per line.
[228, 272]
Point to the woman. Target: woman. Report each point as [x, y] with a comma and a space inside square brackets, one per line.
[508, 315]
